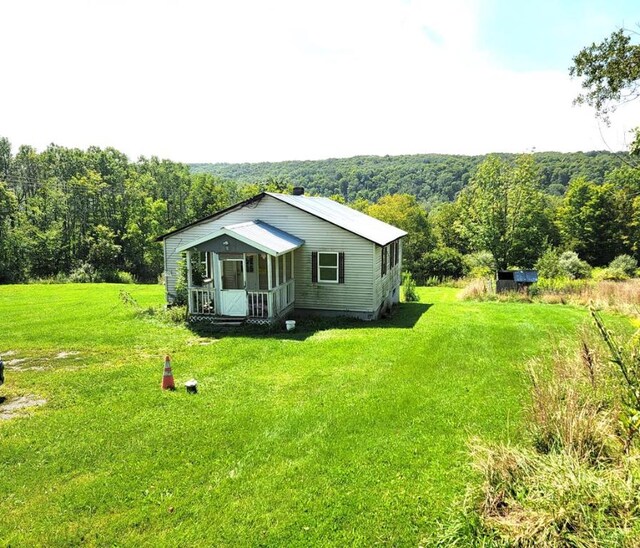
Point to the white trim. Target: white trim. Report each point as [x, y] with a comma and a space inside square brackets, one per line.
[229, 231]
[337, 267]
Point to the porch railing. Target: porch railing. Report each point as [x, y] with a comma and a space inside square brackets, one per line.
[268, 304]
[260, 304]
[201, 301]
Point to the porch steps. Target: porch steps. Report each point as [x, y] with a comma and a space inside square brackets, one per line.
[217, 321]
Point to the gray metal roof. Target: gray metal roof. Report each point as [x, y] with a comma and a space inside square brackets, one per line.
[525, 276]
[258, 234]
[340, 215]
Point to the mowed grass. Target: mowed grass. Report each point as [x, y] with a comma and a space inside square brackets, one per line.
[335, 434]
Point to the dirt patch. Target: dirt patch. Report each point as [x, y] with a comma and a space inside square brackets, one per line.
[34, 368]
[8, 353]
[11, 408]
[16, 361]
[63, 355]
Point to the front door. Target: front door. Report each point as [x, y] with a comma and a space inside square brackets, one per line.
[233, 294]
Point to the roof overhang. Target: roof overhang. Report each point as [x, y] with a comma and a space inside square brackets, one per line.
[260, 235]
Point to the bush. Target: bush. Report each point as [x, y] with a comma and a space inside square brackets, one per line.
[609, 274]
[548, 265]
[481, 260]
[123, 277]
[441, 263]
[84, 274]
[409, 288]
[625, 264]
[573, 266]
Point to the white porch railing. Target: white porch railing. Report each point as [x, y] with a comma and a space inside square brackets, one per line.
[201, 301]
[268, 304]
[260, 304]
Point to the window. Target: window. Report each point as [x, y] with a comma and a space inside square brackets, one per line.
[395, 253]
[327, 267]
[383, 265]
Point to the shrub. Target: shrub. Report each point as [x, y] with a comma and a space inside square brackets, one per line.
[409, 288]
[84, 273]
[480, 260]
[548, 265]
[442, 262]
[626, 264]
[123, 277]
[573, 266]
[609, 274]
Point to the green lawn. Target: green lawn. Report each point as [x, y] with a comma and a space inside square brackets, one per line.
[343, 435]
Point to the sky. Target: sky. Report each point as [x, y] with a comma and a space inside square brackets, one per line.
[272, 80]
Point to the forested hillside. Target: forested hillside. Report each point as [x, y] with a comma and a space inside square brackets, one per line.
[92, 215]
[432, 178]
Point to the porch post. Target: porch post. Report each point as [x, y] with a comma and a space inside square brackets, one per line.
[277, 271]
[189, 281]
[268, 272]
[293, 254]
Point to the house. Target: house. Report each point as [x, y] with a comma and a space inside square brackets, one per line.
[275, 254]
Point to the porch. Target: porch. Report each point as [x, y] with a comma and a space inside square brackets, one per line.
[242, 272]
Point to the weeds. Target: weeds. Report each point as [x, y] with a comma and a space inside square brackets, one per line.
[578, 481]
[409, 288]
[171, 314]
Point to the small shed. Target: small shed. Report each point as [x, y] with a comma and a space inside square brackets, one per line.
[515, 280]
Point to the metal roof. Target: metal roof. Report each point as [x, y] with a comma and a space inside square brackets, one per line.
[525, 276]
[340, 215]
[258, 234]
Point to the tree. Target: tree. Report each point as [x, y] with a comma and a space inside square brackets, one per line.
[103, 252]
[208, 194]
[610, 72]
[405, 212]
[448, 226]
[506, 211]
[590, 223]
[441, 263]
[611, 76]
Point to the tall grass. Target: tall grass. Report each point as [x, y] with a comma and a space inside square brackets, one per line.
[576, 482]
[618, 296]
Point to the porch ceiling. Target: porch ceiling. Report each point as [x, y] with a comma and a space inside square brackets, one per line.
[261, 235]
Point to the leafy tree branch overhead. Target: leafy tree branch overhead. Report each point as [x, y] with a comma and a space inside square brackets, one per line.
[610, 73]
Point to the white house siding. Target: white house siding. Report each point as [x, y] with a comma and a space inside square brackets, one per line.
[355, 294]
[384, 286]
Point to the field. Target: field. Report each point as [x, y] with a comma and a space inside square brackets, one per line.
[336, 434]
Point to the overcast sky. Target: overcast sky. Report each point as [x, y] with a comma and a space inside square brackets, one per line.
[247, 81]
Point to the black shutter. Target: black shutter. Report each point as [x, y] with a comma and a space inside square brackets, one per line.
[340, 268]
[314, 267]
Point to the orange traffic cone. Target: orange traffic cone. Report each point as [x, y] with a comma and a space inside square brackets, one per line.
[167, 377]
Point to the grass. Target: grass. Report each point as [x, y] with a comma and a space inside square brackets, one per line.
[338, 433]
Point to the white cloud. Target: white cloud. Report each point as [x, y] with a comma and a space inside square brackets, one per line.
[250, 81]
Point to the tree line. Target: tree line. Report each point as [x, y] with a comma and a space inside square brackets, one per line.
[90, 215]
[431, 178]
[94, 215]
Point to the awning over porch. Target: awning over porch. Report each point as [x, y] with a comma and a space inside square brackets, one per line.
[256, 234]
